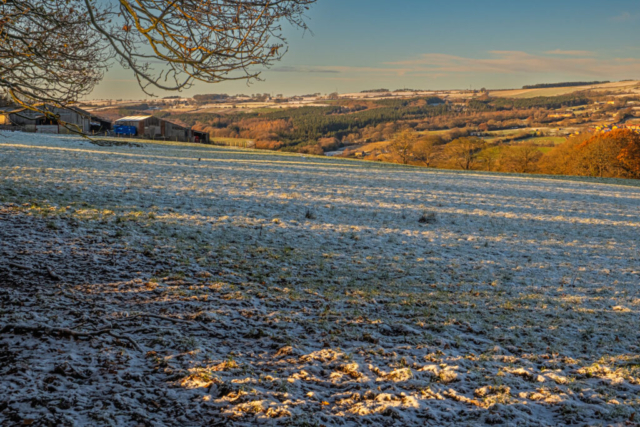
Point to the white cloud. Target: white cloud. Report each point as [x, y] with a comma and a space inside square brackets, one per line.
[570, 52]
[515, 62]
[578, 63]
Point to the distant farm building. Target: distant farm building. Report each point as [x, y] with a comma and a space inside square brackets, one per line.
[52, 119]
[152, 127]
[99, 125]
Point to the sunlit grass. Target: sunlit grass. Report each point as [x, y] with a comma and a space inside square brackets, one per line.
[521, 291]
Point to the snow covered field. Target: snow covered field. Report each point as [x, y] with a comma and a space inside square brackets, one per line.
[157, 285]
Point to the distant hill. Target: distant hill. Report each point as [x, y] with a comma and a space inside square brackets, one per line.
[622, 87]
[566, 84]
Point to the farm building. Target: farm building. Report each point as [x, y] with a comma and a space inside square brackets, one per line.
[157, 128]
[49, 119]
[202, 137]
[99, 124]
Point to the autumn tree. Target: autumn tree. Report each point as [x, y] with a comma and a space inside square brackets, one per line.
[329, 144]
[402, 145]
[489, 158]
[561, 160]
[389, 130]
[463, 152]
[56, 51]
[427, 150]
[521, 158]
[599, 155]
[615, 154]
[629, 156]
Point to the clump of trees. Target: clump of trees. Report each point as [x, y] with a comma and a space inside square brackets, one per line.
[461, 153]
[606, 155]
[364, 121]
[459, 142]
[522, 158]
[403, 144]
[464, 153]
[566, 84]
[211, 97]
[615, 154]
[546, 102]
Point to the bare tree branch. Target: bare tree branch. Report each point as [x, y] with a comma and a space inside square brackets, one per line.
[55, 51]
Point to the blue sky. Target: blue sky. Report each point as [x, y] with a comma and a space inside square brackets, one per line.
[428, 44]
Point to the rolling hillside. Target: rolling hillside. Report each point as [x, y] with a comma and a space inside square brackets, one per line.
[172, 284]
[625, 86]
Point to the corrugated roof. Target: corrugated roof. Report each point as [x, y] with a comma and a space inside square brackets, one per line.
[133, 119]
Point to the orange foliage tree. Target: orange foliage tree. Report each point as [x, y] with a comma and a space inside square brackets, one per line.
[598, 156]
[630, 155]
[561, 160]
[615, 154]
[463, 153]
[521, 158]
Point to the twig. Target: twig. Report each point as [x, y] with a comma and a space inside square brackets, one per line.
[53, 274]
[19, 266]
[64, 332]
[52, 331]
[126, 338]
[174, 320]
[158, 316]
[62, 369]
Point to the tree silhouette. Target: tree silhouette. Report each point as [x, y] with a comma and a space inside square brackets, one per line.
[48, 53]
[55, 51]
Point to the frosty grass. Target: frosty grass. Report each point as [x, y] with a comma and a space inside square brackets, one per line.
[216, 286]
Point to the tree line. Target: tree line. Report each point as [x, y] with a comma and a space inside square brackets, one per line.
[349, 121]
[615, 154]
[565, 84]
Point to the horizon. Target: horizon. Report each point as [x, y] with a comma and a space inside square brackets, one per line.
[350, 48]
[390, 90]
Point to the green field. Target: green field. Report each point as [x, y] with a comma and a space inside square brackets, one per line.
[434, 132]
[555, 140]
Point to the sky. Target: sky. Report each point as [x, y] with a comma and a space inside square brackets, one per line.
[356, 45]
